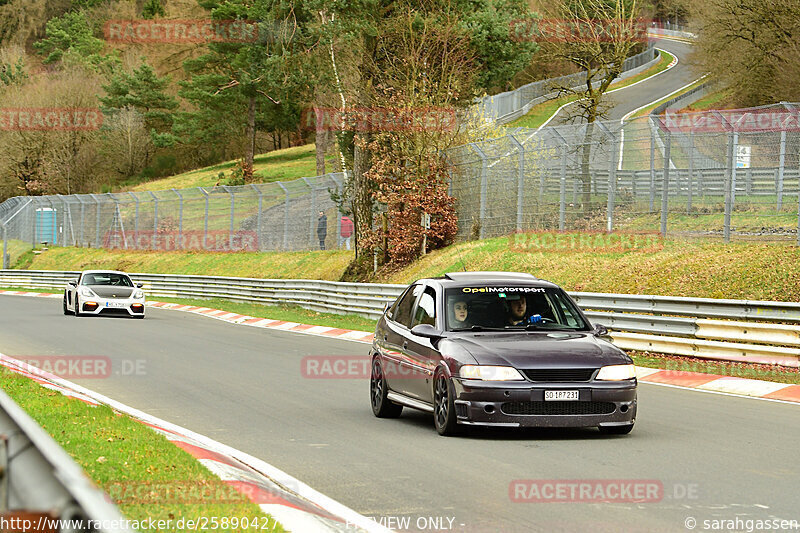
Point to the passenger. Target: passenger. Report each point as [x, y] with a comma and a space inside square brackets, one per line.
[460, 312]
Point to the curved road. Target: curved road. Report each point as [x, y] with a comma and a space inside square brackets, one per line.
[244, 387]
[626, 100]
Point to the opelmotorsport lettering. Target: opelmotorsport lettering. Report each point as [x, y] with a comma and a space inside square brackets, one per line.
[502, 289]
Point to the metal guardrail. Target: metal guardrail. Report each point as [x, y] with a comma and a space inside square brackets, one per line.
[41, 483]
[657, 323]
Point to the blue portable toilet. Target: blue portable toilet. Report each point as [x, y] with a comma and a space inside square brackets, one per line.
[46, 225]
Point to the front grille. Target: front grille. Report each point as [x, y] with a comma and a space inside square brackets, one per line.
[557, 408]
[560, 374]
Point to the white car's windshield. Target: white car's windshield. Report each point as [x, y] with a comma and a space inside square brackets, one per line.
[119, 280]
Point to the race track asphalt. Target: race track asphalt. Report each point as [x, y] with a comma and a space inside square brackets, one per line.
[722, 456]
[630, 98]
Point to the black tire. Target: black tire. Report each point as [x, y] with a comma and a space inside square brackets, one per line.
[616, 430]
[66, 311]
[444, 411]
[77, 306]
[382, 407]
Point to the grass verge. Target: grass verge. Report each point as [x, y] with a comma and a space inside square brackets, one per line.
[321, 264]
[147, 475]
[713, 100]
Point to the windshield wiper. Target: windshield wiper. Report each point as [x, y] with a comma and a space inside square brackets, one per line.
[477, 328]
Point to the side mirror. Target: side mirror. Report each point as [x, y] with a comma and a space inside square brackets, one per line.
[386, 307]
[73, 282]
[427, 331]
[600, 330]
[139, 285]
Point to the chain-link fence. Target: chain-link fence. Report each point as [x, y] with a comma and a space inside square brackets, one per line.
[510, 105]
[292, 215]
[719, 173]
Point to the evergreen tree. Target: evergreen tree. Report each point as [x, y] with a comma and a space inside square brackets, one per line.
[239, 88]
[69, 37]
[153, 9]
[143, 90]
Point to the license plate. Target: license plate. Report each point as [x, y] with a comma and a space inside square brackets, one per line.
[115, 304]
[561, 395]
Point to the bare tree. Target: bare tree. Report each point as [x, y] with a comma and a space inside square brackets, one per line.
[597, 37]
[751, 46]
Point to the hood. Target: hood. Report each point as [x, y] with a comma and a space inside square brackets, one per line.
[541, 349]
[111, 291]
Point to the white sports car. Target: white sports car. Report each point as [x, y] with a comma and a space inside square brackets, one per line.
[104, 292]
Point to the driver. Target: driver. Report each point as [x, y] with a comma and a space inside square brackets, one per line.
[517, 309]
[517, 306]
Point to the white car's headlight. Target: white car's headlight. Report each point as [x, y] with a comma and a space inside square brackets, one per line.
[139, 294]
[616, 372]
[490, 373]
[86, 291]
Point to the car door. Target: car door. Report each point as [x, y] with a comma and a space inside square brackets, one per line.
[397, 368]
[72, 292]
[420, 352]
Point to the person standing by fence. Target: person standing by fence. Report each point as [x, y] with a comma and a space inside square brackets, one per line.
[322, 229]
[347, 231]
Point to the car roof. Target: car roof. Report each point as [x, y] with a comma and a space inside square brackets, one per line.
[104, 272]
[464, 279]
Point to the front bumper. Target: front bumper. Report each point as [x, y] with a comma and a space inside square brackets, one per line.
[522, 404]
[112, 306]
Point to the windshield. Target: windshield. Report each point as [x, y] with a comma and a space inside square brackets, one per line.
[119, 280]
[485, 307]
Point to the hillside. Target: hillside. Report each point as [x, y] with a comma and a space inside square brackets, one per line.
[279, 165]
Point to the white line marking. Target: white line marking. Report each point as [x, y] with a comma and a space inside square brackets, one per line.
[623, 119]
[278, 476]
[719, 392]
[672, 64]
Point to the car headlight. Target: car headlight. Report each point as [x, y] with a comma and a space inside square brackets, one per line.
[616, 372]
[138, 295]
[490, 373]
[86, 291]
